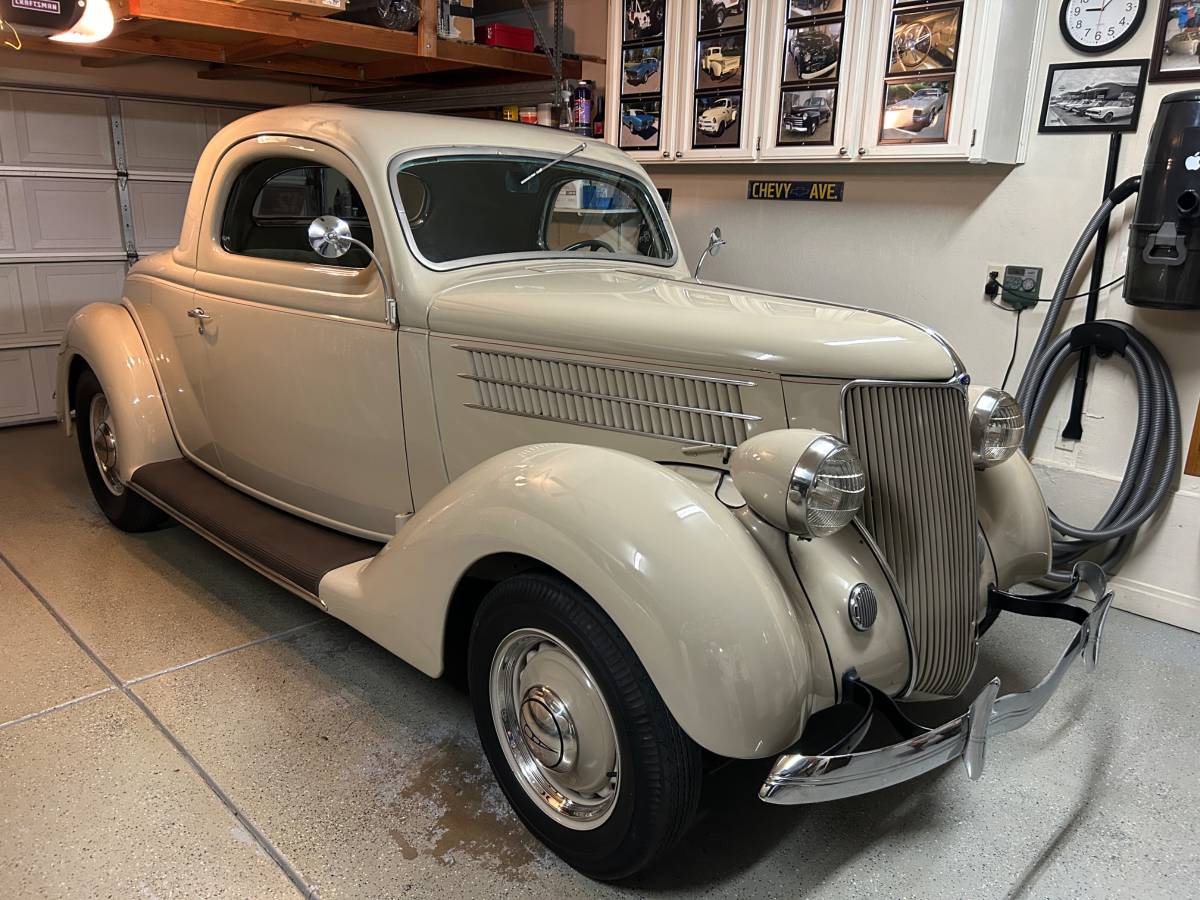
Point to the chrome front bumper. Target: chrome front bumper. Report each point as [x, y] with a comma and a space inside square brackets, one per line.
[799, 778]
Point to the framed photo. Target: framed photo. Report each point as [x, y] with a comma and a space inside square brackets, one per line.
[718, 120]
[798, 9]
[642, 70]
[644, 19]
[925, 40]
[916, 111]
[640, 123]
[719, 61]
[1177, 42]
[1085, 97]
[807, 117]
[715, 14]
[812, 53]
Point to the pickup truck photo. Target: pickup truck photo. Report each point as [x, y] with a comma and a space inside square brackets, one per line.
[721, 63]
[647, 523]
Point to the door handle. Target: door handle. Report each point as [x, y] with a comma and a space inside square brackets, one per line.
[200, 316]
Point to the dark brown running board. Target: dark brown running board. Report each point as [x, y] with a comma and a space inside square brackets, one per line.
[290, 550]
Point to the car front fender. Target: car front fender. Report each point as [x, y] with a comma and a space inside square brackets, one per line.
[105, 338]
[686, 584]
[1015, 522]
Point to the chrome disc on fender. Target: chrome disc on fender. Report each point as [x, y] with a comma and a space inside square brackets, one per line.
[103, 431]
[556, 728]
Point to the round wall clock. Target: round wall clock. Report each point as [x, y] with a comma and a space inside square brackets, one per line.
[1098, 26]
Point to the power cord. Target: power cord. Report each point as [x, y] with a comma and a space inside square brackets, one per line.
[1012, 359]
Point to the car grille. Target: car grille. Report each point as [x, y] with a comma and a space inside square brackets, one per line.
[684, 408]
[914, 444]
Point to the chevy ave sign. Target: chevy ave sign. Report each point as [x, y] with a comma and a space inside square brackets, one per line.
[821, 191]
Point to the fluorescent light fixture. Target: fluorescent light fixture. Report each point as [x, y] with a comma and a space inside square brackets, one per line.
[95, 24]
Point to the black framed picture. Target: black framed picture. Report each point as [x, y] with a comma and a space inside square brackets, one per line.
[642, 69]
[916, 110]
[640, 123]
[1086, 97]
[812, 53]
[718, 120]
[798, 9]
[644, 19]
[807, 116]
[717, 14]
[925, 40]
[719, 61]
[1177, 42]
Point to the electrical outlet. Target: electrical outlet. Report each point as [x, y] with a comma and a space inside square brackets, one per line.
[997, 268]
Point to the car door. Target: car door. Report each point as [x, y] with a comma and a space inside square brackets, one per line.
[302, 391]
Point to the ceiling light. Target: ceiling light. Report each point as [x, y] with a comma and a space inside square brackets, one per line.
[95, 25]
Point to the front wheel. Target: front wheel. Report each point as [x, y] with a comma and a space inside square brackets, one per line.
[575, 731]
[99, 447]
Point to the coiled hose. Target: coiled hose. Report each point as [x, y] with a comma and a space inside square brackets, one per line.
[1155, 456]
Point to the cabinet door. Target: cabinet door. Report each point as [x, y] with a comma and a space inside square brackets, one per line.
[644, 51]
[814, 60]
[920, 94]
[718, 91]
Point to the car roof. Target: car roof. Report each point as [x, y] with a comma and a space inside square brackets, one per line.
[373, 136]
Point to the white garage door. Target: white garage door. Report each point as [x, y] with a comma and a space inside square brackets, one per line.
[87, 183]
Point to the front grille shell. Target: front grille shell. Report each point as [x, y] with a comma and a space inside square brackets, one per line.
[913, 441]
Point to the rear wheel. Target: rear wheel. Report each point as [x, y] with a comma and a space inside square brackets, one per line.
[99, 446]
[576, 733]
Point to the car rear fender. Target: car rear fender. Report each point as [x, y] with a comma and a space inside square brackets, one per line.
[103, 337]
[683, 580]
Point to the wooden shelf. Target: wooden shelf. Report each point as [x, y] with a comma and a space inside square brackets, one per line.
[238, 41]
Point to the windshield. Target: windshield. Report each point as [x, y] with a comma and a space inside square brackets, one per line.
[467, 207]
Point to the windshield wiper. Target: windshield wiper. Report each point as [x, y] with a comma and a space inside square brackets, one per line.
[553, 162]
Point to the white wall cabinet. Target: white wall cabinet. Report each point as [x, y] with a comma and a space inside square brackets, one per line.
[836, 81]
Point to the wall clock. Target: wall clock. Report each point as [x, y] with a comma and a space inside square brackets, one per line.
[1098, 26]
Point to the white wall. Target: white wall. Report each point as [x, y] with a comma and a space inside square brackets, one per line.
[916, 239]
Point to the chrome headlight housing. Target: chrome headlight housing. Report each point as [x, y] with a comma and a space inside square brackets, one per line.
[997, 427]
[804, 482]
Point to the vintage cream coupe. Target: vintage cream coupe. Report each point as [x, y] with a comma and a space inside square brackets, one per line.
[453, 382]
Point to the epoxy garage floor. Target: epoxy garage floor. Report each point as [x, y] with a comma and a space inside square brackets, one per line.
[175, 725]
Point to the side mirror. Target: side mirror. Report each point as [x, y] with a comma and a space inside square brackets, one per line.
[715, 243]
[330, 236]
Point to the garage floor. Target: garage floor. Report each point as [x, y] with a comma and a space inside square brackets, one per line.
[176, 726]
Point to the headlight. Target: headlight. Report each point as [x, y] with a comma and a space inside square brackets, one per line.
[804, 482]
[997, 428]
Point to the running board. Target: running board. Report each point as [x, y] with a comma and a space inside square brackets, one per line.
[293, 552]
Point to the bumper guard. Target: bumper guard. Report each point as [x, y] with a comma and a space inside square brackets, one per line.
[801, 778]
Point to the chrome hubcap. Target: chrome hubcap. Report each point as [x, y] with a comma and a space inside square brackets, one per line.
[104, 443]
[555, 727]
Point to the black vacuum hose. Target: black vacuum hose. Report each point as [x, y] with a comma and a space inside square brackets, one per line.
[1154, 458]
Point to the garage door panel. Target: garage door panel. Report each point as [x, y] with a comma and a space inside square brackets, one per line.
[163, 136]
[64, 288]
[68, 130]
[18, 392]
[71, 214]
[44, 361]
[7, 237]
[158, 208]
[12, 316]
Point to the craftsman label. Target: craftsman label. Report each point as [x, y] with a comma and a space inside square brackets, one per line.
[820, 191]
[46, 6]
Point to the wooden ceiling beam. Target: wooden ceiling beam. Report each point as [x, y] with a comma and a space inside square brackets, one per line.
[245, 73]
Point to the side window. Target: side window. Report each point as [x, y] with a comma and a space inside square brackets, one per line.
[274, 200]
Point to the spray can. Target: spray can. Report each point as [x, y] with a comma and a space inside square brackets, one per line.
[581, 108]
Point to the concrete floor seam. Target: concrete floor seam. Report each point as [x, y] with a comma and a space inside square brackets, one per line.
[29, 717]
[260, 838]
[276, 636]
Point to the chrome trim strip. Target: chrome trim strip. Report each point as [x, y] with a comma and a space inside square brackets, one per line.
[796, 778]
[612, 398]
[575, 361]
[894, 585]
[232, 551]
[657, 437]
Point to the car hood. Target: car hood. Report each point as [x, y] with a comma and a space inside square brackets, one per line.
[625, 311]
[913, 102]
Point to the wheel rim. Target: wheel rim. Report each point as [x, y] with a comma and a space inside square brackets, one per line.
[104, 443]
[555, 728]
